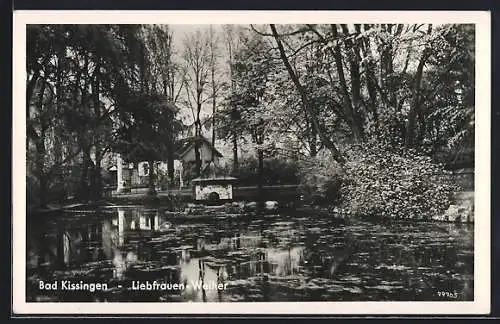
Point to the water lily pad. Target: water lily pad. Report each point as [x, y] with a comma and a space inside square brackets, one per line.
[353, 290]
[386, 287]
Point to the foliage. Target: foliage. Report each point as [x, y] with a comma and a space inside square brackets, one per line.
[147, 131]
[245, 110]
[320, 180]
[200, 65]
[394, 83]
[275, 171]
[148, 125]
[381, 182]
[75, 74]
[321, 88]
[449, 93]
[79, 77]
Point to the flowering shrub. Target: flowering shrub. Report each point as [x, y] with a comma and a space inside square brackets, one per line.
[395, 183]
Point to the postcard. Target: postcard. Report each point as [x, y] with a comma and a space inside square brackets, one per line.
[251, 162]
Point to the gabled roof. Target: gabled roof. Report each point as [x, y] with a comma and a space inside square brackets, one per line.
[183, 146]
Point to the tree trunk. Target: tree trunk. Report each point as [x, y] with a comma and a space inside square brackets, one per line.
[390, 68]
[89, 173]
[260, 157]
[42, 186]
[197, 137]
[354, 69]
[40, 155]
[30, 89]
[214, 90]
[372, 92]
[83, 190]
[213, 126]
[57, 153]
[197, 153]
[170, 162]
[348, 107]
[151, 179]
[415, 106]
[416, 102]
[97, 190]
[314, 138]
[197, 157]
[305, 101]
[235, 149]
[386, 69]
[260, 185]
[60, 245]
[371, 79]
[97, 183]
[234, 135]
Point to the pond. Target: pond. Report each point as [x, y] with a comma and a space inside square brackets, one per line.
[142, 254]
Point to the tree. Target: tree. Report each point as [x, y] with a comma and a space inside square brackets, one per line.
[75, 72]
[148, 124]
[416, 94]
[229, 126]
[306, 105]
[216, 84]
[447, 101]
[250, 72]
[316, 88]
[107, 73]
[161, 74]
[197, 70]
[371, 77]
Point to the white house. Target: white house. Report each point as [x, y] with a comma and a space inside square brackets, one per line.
[131, 174]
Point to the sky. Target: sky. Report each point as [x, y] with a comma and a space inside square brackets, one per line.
[180, 32]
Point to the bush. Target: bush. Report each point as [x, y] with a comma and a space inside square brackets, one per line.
[275, 171]
[396, 183]
[320, 181]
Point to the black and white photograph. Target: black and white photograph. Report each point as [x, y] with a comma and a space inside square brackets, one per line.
[250, 163]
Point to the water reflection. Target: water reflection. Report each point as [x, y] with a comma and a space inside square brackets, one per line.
[277, 258]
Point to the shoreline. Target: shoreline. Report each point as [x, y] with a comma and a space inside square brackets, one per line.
[208, 212]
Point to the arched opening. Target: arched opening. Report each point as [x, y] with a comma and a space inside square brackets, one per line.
[213, 197]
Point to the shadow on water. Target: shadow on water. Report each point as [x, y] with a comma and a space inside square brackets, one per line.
[265, 258]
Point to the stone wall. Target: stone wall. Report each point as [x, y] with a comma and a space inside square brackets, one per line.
[202, 192]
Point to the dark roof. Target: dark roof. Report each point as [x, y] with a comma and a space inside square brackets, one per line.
[215, 180]
[182, 146]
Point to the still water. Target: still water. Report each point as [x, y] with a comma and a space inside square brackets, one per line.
[249, 258]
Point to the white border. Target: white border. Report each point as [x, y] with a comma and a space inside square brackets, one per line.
[482, 286]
